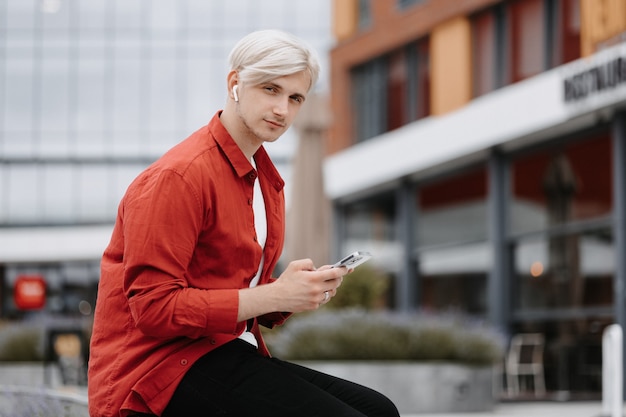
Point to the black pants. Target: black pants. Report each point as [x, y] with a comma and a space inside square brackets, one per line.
[236, 381]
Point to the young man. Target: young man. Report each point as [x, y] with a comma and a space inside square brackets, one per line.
[186, 279]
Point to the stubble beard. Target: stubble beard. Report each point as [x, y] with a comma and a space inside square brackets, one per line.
[258, 134]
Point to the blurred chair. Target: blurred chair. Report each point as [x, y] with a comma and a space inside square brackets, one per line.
[524, 360]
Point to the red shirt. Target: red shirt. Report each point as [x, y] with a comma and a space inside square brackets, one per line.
[183, 244]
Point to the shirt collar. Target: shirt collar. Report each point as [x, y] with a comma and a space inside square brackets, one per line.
[236, 157]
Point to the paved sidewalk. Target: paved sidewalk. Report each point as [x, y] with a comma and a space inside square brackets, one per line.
[526, 409]
[20, 381]
[13, 377]
[73, 402]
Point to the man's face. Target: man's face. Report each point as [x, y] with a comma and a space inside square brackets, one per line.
[267, 110]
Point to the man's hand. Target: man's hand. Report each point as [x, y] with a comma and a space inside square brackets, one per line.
[301, 287]
[304, 288]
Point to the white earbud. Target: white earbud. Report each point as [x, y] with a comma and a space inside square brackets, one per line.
[235, 93]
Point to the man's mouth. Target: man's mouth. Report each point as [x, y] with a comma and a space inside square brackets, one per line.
[275, 123]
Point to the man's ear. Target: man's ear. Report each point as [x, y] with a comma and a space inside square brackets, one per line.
[232, 80]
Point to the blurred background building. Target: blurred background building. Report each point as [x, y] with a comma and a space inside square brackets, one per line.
[478, 150]
[93, 91]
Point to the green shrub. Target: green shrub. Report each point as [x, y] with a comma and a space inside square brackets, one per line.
[357, 334]
[20, 344]
[365, 288]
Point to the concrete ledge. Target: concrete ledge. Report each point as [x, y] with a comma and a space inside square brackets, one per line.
[418, 388]
[25, 401]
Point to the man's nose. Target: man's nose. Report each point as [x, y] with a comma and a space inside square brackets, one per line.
[281, 106]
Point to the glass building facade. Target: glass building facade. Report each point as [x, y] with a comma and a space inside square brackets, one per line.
[93, 91]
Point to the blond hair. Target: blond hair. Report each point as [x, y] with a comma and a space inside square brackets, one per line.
[264, 55]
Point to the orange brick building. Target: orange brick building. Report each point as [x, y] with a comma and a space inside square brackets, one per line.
[478, 150]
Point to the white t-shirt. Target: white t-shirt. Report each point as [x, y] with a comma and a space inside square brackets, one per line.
[260, 224]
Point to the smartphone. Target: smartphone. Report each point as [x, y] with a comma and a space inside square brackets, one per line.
[353, 260]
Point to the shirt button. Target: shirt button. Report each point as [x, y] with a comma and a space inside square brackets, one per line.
[255, 238]
[183, 362]
[251, 176]
[213, 341]
[249, 201]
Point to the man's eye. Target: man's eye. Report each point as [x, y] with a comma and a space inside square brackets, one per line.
[297, 99]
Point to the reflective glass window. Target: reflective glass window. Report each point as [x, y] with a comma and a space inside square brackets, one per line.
[23, 193]
[451, 231]
[563, 264]
[196, 12]
[369, 99]
[126, 94]
[163, 94]
[109, 78]
[21, 15]
[93, 186]
[562, 184]
[371, 226]
[56, 144]
[18, 144]
[4, 191]
[391, 91]
[455, 279]
[92, 88]
[94, 15]
[527, 40]
[365, 13]
[408, 3]
[55, 16]
[419, 79]
[567, 44]
[484, 52]
[453, 209]
[54, 97]
[567, 272]
[18, 99]
[90, 143]
[397, 89]
[518, 39]
[200, 75]
[58, 189]
[129, 14]
[164, 16]
[372, 219]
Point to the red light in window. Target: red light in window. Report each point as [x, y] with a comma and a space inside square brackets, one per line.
[30, 292]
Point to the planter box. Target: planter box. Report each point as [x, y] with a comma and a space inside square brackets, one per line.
[21, 401]
[34, 389]
[417, 387]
